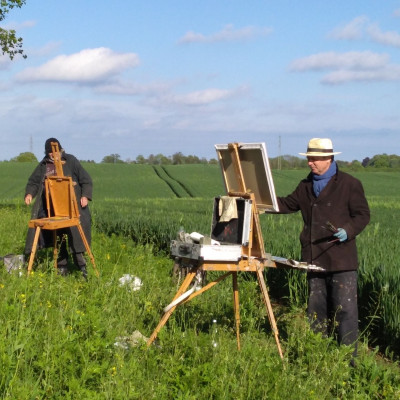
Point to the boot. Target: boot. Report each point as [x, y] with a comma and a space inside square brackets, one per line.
[80, 262]
[84, 272]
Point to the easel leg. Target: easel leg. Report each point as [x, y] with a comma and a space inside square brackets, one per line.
[33, 250]
[55, 248]
[270, 313]
[87, 247]
[185, 284]
[236, 307]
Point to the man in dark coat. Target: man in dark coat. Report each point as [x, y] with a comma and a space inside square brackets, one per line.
[83, 186]
[334, 210]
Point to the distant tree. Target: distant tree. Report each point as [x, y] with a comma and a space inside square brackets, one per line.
[192, 160]
[385, 161]
[140, 159]
[213, 161]
[380, 161]
[112, 159]
[9, 42]
[342, 164]
[165, 160]
[365, 162]
[178, 158]
[160, 159]
[153, 160]
[288, 162]
[203, 160]
[395, 161]
[25, 157]
[355, 165]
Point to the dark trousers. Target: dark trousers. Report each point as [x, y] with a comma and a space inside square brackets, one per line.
[62, 261]
[332, 305]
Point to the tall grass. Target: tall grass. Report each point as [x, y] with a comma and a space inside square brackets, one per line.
[59, 333]
[63, 337]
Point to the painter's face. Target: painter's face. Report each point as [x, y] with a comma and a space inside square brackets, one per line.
[319, 165]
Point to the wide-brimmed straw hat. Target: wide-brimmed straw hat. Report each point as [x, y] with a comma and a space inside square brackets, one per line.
[319, 148]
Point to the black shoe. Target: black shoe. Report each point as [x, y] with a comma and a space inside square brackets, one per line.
[84, 272]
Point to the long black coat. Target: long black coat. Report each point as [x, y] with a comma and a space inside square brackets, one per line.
[83, 188]
[342, 202]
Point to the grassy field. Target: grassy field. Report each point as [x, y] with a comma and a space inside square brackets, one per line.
[65, 338]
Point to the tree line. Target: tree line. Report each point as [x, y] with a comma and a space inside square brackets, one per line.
[379, 161]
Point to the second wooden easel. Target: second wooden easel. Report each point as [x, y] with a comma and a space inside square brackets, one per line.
[62, 210]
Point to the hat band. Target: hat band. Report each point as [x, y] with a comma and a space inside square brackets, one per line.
[315, 150]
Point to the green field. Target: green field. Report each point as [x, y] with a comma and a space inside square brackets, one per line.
[59, 334]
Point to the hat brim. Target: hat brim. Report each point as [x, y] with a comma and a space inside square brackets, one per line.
[318, 154]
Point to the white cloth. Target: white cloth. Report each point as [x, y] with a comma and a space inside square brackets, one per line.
[227, 208]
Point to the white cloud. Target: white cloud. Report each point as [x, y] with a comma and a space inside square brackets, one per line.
[352, 30]
[87, 66]
[227, 34]
[350, 67]
[202, 97]
[348, 60]
[360, 27]
[390, 38]
[389, 73]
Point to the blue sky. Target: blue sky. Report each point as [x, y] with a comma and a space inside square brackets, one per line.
[148, 77]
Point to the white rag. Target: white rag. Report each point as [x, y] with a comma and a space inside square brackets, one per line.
[227, 208]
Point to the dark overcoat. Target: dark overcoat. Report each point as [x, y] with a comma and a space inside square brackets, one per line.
[83, 186]
[342, 202]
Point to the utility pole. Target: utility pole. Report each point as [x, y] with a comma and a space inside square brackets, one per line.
[279, 155]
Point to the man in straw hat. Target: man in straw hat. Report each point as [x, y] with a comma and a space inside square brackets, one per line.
[334, 211]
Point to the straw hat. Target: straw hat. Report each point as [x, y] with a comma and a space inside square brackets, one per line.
[319, 148]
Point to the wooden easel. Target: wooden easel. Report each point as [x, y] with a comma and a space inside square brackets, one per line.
[253, 260]
[62, 210]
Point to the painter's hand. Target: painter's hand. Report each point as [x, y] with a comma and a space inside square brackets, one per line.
[341, 234]
[84, 202]
[28, 199]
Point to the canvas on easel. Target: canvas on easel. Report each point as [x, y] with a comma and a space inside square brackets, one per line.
[62, 210]
[249, 186]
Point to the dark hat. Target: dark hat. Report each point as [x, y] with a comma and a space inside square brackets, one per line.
[47, 145]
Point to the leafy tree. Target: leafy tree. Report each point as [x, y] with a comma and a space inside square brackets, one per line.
[365, 161]
[342, 164]
[9, 42]
[140, 159]
[165, 160]
[384, 161]
[380, 161]
[192, 160]
[25, 157]
[112, 159]
[178, 158]
[355, 165]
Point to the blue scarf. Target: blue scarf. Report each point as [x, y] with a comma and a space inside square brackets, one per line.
[320, 181]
